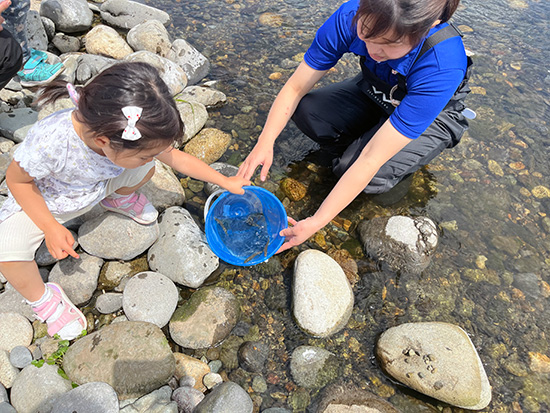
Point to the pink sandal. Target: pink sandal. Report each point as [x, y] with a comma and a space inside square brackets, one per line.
[61, 316]
[135, 206]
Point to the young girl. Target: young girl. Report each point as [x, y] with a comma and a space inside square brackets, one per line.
[394, 117]
[100, 152]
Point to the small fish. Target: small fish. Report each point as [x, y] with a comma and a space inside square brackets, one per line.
[265, 248]
[220, 223]
[252, 257]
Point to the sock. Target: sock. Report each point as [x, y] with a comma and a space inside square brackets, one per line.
[45, 297]
[114, 195]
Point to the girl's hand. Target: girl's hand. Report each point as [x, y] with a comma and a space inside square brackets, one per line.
[298, 233]
[60, 242]
[262, 154]
[235, 184]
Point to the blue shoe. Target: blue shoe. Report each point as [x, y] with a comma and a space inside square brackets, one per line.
[40, 74]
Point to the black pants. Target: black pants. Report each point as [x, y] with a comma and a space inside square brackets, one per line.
[342, 119]
[11, 57]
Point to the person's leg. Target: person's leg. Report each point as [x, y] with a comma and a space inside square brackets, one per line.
[11, 57]
[16, 23]
[336, 115]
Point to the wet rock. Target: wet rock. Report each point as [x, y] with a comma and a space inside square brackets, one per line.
[131, 356]
[104, 40]
[253, 355]
[293, 189]
[528, 283]
[436, 359]
[322, 296]
[313, 367]
[78, 277]
[194, 116]
[16, 331]
[108, 303]
[209, 145]
[126, 14]
[190, 367]
[223, 168]
[187, 398]
[173, 75]
[340, 398]
[404, 243]
[150, 297]
[228, 397]
[206, 319]
[115, 236]
[181, 252]
[195, 65]
[150, 35]
[36, 389]
[113, 272]
[211, 380]
[89, 397]
[158, 401]
[69, 16]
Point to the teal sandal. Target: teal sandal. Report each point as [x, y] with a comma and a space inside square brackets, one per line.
[42, 73]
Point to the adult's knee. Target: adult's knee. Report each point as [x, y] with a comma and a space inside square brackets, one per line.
[11, 57]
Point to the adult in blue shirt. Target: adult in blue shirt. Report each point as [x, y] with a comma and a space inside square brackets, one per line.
[400, 112]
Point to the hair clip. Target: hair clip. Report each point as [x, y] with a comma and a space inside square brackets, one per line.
[133, 114]
[73, 94]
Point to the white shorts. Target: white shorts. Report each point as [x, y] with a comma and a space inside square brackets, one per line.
[20, 237]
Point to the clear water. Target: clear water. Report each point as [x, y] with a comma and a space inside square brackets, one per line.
[489, 196]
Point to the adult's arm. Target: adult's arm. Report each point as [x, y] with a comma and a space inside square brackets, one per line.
[386, 142]
[21, 185]
[284, 105]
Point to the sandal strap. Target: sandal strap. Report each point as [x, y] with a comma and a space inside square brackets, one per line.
[47, 309]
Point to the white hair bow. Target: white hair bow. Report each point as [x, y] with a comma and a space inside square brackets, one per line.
[133, 114]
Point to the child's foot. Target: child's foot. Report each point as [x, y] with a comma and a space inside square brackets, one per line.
[61, 316]
[135, 206]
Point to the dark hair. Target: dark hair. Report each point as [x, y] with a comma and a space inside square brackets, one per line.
[101, 101]
[410, 19]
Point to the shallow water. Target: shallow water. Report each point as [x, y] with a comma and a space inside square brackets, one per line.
[489, 196]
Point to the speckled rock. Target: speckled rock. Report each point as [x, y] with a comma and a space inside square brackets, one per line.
[16, 331]
[313, 367]
[436, 359]
[193, 62]
[104, 40]
[293, 189]
[150, 35]
[194, 116]
[126, 14]
[209, 145]
[69, 16]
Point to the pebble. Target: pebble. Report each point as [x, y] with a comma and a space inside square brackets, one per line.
[252, 356]
[108, 303]
[187, 398]
[88, 397]
[210, 380]
[215, 366]
[20, 357]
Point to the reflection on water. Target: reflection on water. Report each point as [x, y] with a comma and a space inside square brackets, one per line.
[489, 195]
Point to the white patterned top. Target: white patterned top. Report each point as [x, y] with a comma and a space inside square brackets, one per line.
[69, 174]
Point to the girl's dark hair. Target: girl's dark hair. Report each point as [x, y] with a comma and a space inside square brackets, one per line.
[410, 19]
[101, 101]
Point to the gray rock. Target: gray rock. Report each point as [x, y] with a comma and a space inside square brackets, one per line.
[208, 96]
[349, 398]
[164, 188]
[187, 398]
[282, 410]
[5, 407]
[109, 303]
[88, 398]
[70, 61]
[77, 277]
[5, 160]
[181, 251]
[8, 372]
[16, 330]
[211, 380]
[150, 35]
[157, 401]
[150, 296]
[49, 27]
[322, 296]
[3, 394]
[194, 116]
[436, 359]
[65, 43]
[529, 284]
[91, 65]
[69, 16]
[44, 258]
[194, 63]
[132, 356]
[126, 14]
[104, 40]
[206, 319]
[36, 389]
[13, 302]
[17, 118]
[101, 236]
[20, 357]
[228, 397]
[36, 34]
[406, 244]
[313, 367]
[173, 75]
[253, 355]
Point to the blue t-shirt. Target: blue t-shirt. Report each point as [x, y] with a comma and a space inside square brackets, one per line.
[431, 82]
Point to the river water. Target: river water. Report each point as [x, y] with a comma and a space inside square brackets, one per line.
[489, 196]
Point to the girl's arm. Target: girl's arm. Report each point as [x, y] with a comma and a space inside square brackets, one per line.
[386, 142]
[284, 105]
[197, 169]
[21, 185]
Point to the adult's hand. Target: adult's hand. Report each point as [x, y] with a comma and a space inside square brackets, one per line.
[299, 232]
[3, 7]
[262, 154]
